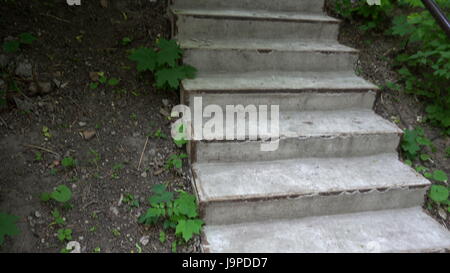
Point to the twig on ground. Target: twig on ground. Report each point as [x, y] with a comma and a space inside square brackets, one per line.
[4, 122]
[41, 148]
[142, 154]
[55, 17]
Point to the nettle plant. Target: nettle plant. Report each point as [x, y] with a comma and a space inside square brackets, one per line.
[424, 64]
[373, 13]
[178, 212]
[413, 144]
[164, 62]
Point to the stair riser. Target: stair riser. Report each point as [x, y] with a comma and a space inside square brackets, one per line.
[235, 61]
[313, 6]
[342, 146]
[228, 28]
[299, 101]
[219, 213]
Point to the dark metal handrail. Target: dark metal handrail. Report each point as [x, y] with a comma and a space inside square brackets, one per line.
[438, 14]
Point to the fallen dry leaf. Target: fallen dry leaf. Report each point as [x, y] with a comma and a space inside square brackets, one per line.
[104, 3]
[94, 76]
[88, 134]
[158, 172]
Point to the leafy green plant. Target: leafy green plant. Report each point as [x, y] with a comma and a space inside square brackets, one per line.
[159, 134]
[180, 213]
[175, 161]
[373, 16]
[8, 226]
[96, 157]
[130, 200]
[12, 46]
[102, 79]
[180, 138]
[68, 162]
[164, 63]
[413, 141]
[46, 132]
[424, 64]
[64, 234]
[57, 218]
[61, 194]
[126, 41]
[38, 156]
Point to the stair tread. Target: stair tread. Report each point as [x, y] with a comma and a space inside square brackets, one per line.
[301, 124]
[256, 14]
[264, 44]
[399, 230]
[275, 80]
[216, 182]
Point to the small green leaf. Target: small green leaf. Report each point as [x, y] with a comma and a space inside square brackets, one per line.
[8, 226]
[27, 38]
[187, 228]
[45, 196]
[145, 58]
[425, 157]
[62, 194]
[162, 236]
[440, 176]
[438, 193]
[11, 46]
[113, 81]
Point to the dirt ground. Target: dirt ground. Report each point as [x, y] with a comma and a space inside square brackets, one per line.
[71, 43]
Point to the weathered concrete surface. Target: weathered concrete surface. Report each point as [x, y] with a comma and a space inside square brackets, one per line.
[344, 133]
[400, 230]
[278, 81]
[330, 146]
[229, 24]
[235, 61]
[256, 191]
[295, 101]
[242, 56]
[309, 6]
[293, 124]
[265, 45]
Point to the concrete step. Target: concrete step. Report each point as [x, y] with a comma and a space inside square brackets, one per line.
[400, 230]
[238, 56]
[300, 101]
[253, 24]
[341, 133]
[275, 81]
[310, 6]
[231, 193]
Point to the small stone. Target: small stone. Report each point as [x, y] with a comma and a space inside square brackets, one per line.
[114, 210]
[144, 174]
[165, 102]
[82, 123]
[44, 88]
[57, 83]
[24, 69]
[113, 133]
[442, 213]
[4, 60]
[136, 134]
[144, 240]
[37, 214]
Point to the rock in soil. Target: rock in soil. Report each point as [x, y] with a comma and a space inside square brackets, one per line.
[24, 69]
[44, 88]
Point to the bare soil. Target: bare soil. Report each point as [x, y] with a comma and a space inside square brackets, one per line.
[71, 43]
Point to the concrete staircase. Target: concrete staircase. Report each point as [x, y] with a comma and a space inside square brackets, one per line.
[335, 184]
